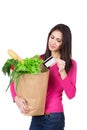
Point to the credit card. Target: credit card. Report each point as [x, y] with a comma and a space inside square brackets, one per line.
[49, 61]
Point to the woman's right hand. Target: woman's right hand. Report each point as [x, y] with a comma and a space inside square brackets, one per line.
[22, 105]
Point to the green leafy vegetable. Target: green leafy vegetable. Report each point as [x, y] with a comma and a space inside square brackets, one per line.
[14, 68]
[8, 66]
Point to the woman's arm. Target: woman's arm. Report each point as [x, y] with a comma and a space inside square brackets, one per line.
[69, 82]
[20, 102]
[13, 93]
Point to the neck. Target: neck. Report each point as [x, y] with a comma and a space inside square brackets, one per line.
[56, 55]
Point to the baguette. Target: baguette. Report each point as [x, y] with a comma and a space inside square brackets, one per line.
[14, 55]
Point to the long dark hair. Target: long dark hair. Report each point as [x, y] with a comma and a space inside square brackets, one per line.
[66, 47]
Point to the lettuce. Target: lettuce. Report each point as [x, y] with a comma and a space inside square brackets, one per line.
[14, 68]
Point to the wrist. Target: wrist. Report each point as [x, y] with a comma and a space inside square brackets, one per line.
[63, 74]
[15, 98]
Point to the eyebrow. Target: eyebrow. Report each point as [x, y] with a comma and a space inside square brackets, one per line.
[56, 38]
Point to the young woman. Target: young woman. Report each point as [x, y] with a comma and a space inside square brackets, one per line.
[62, 77]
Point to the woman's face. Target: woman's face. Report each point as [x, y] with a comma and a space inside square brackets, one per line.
[55, 41]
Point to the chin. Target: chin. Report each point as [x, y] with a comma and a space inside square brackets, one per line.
[52, 49]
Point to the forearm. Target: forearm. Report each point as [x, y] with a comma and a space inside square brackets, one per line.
[69, 87]
[69, 82]
[12, 89]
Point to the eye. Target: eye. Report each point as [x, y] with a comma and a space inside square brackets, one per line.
[52, 37]
[59, 40]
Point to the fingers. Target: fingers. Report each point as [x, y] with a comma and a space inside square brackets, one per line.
[24, 110]
[24, 102]
[61, 64]
[23, 105]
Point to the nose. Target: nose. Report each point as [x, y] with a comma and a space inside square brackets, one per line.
[53, 41]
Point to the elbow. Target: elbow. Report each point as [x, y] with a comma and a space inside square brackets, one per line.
[71, 96]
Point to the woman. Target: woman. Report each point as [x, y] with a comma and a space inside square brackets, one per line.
[62, 77]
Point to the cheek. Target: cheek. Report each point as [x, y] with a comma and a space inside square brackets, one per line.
[50, 41]
[58, 46]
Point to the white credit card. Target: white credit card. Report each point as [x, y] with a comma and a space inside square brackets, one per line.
[49, 61]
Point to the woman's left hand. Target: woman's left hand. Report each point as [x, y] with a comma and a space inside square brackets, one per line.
[61, 65]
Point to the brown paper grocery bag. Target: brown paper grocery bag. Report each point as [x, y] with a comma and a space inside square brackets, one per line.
[33, 88]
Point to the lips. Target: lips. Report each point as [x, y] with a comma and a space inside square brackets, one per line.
[52, 46]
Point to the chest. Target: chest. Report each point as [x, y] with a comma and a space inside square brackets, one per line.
[55, 81]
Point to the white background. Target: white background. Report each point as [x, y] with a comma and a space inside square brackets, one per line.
[24, 26]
